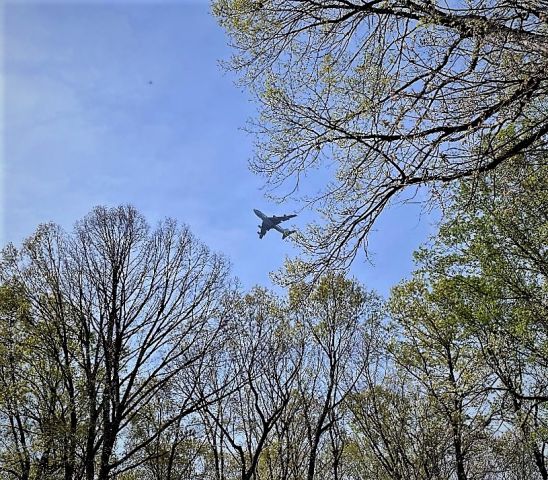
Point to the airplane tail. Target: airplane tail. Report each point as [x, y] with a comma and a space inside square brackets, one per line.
[287, 233]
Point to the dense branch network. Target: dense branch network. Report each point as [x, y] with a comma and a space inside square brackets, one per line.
[127, 353]
[384, 97]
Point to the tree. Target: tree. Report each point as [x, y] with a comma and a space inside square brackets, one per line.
[461, 388]
[339, 317]
[126, 352]
[486, 277]
[175, 453]
[122, 313]
[394, 433]
[296, 362]
[444, 362]
[383, 97]
[265, 358]
[16, 438]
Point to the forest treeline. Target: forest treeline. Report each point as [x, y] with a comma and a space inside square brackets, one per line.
[129, 352]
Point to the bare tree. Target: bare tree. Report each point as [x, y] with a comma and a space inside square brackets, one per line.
[125, 311]
[373, 99]
[266, 357]
[396, 435]
[338, 317]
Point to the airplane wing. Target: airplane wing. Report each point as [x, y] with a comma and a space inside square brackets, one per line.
[262, 231]
[283, 218]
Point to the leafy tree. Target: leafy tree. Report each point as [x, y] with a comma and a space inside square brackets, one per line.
[444, 362]
[296, 362]
[485, 276]
[373, 99]
[395, 434]
[126, 352]
[177, 452]
[16, 439]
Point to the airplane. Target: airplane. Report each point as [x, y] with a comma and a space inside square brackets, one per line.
[272, 222]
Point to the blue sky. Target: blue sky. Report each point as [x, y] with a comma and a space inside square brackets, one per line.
[116, 103]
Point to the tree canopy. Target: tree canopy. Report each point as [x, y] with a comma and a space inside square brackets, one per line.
[127, 352]
[372, 100]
